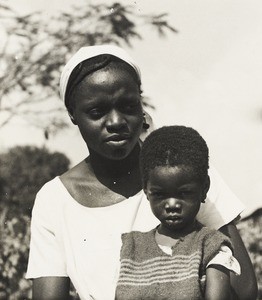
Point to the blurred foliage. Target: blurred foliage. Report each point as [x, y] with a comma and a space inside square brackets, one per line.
[14, 249]
[36, 47]
[23, 171]
[250, 229]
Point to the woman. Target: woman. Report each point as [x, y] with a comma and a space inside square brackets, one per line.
[78, 218]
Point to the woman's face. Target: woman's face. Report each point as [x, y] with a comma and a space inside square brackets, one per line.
[108, 112]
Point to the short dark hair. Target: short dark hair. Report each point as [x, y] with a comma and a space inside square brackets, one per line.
[91, 65]
[174, 146]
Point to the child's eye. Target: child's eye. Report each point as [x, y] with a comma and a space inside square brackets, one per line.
[157, 194]
[96, 113]
[186, 193]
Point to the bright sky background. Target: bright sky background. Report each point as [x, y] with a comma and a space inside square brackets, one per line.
[207, 76]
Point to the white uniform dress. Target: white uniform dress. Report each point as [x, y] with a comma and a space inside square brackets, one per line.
[69, 239]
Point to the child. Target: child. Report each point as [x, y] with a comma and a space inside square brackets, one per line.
[180, 259]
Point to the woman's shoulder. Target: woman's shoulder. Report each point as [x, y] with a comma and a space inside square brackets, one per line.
[48, 202]
[50, 196]
[50, 187]
[62, 182]
[75, 173]
[58, 188]
[57, 193]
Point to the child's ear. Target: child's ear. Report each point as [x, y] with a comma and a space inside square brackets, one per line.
[72, 118]
[145, 191]
[206, 188]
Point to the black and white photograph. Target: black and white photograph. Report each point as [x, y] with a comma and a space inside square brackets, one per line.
[130, 150]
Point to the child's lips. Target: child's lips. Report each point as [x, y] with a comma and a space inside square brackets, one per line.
[173, 219]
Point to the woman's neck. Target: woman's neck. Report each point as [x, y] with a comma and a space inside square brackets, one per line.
[104, 167]
[121, 176]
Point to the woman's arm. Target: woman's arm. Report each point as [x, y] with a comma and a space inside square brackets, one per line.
[217, 283]
[47, 262]
[244, 286]
[51, 288]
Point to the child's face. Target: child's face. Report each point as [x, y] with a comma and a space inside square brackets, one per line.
[175, 195]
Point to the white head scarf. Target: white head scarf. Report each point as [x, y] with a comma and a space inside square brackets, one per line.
[85, 53]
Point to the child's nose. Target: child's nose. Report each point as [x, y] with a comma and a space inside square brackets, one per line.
[173, 205]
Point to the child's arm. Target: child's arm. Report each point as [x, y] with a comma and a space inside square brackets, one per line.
[244, 287]
[217, 283]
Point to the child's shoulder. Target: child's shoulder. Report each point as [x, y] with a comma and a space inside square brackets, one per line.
[138, 234]
[138, 239]
[205, 230]
[207, 234]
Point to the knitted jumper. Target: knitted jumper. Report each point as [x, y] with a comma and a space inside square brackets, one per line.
[146, 272]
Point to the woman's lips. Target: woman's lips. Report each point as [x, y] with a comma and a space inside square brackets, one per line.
[117, 140]
[117, 143]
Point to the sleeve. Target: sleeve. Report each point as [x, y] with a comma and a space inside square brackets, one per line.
[221, 205]
[46, 255]
[225, 258]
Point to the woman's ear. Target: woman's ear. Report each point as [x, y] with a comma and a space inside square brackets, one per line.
[147, 120]
[148, 125]
[206, 188]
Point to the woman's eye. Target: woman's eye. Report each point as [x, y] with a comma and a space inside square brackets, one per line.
[130, 106]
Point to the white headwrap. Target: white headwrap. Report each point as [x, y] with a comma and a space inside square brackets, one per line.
[92, 51]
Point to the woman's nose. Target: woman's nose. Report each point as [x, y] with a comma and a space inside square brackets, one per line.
[115, 121]
[173, 205]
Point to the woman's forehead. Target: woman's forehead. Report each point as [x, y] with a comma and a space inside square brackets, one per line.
[86, 53]
[106, 83]
[106, 67]
[111, 70]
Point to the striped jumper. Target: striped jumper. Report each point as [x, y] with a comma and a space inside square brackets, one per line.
[146, 272]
